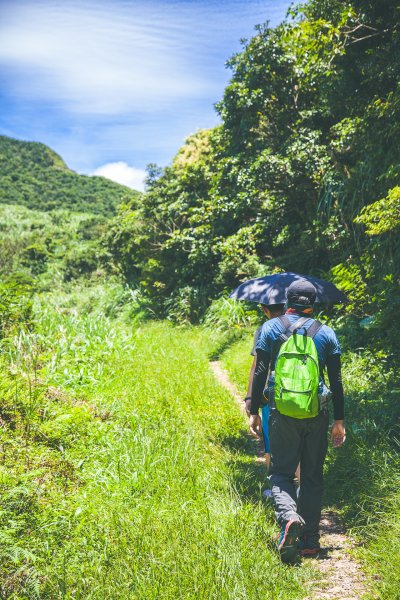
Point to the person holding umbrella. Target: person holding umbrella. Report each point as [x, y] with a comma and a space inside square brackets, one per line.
[270, 311]
[270, 293]
[298, 426]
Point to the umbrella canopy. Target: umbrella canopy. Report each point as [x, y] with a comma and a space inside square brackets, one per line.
[272, 289]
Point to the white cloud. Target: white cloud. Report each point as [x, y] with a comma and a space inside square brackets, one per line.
[122, 173]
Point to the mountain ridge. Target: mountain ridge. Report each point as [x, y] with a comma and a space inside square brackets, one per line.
[35, 176]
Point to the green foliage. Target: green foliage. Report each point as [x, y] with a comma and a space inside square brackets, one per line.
[82, 488]
[80, 261]
[350, 278]
[33, 175]
[35, 257]
[35, 475]
[51, 246]
[224, 314]
[382, 216]
[227, 321]
[288, 181]
[363, 477]
[308, 141]
[15, 303]
[373, 280]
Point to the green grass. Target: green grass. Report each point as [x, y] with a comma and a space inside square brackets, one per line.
[126, 471]
[363, 477]
[133, 476]
[238, 360]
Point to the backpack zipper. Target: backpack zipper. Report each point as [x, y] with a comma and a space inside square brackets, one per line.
[308, 392]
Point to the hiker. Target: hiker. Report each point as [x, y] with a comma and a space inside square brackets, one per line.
[271, 311]
[298, 422]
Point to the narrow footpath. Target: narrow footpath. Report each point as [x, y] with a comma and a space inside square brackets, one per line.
[340, 575]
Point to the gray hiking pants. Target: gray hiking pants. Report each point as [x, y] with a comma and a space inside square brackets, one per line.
[295, 441]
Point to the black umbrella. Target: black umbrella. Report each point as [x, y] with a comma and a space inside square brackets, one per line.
[272, 289]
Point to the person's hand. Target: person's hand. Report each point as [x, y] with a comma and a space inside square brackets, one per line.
[255, 425]
[248, 406]
[338, 434]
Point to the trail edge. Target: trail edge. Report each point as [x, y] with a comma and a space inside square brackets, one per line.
[341, 577]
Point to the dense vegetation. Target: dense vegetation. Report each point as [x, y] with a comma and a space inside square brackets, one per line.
[118, 478]
[51, 246]
[126, 477]
[33, 175]
[302, 175]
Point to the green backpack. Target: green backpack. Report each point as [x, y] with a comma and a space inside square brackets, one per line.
[297, 370]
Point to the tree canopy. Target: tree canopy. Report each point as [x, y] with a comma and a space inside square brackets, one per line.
[301, 175]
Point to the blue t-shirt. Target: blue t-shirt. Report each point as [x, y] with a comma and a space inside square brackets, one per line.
[255, 340]
[325, 340]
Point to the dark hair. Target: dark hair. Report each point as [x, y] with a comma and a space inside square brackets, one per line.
[274, 308]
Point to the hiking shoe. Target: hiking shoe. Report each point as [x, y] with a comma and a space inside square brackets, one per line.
[309, 546]
[289, 540]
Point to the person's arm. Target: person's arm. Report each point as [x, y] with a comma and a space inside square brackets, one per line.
[338, 432]
[253, 352]
[248, 396]
[259, 379]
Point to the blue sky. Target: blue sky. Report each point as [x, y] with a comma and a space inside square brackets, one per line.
[112, 85]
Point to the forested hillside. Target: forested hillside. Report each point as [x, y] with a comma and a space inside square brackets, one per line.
[302, 175]
[32, 175]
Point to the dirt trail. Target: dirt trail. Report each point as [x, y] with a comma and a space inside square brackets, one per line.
[340, 575]
[223, 378]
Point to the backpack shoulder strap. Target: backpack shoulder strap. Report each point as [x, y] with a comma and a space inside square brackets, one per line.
[285, 321]
[297, 325]
[290, 328]
[313, 329]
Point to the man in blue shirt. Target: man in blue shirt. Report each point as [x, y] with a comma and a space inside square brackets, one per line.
[295, 440]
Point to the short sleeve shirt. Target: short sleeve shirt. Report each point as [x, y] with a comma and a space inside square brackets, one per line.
[325, 340]
[256, 336]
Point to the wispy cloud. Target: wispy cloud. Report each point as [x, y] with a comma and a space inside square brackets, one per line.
[105, 81]
[122, 173]
[105, 58]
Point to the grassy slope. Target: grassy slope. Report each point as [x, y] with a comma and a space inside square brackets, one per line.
[56, 234]
[134, 480]
[362, 479]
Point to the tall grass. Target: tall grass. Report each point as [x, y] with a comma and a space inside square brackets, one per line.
[136, 480]
[225, 313]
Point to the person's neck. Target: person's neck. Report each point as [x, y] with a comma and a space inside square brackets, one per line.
[294, 311]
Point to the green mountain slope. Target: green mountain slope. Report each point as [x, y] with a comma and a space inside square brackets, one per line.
[33, 175]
